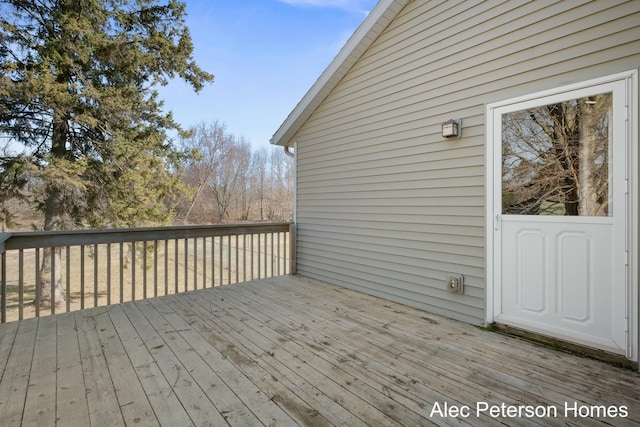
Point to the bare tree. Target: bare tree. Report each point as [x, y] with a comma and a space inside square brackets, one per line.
[219, 172]
[231, 164]
[281, 185]
[556, 158]
[206, 141]
[259, 180]
[224, 180]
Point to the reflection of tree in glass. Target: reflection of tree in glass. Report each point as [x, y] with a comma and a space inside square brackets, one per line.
[555, 158]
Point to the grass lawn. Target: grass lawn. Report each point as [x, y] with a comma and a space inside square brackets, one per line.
[99, 275]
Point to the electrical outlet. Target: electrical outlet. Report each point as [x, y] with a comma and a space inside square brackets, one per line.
[455, 283]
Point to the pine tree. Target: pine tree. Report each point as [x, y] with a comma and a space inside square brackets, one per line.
[78, 89]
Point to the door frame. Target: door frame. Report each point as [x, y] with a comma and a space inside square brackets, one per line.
[493, 245]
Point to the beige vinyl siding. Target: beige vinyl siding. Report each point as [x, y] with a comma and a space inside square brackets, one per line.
[386, 205]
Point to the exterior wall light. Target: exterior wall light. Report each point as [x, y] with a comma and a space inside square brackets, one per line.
[452, 128]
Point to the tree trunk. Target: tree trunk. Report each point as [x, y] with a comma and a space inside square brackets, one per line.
[193, 202]
[54, 220]
[51, 257]
[588, 193]
[565, 139]
[46, 297]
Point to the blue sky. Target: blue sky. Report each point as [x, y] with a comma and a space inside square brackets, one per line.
[265, 55]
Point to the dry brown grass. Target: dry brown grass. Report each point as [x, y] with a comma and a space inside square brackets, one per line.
[99, 275]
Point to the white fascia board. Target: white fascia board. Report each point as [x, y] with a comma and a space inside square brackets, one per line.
[384, 12]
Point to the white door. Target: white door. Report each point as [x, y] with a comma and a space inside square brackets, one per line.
[560, 215]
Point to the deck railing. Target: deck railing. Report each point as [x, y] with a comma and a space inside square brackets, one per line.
[103, 267]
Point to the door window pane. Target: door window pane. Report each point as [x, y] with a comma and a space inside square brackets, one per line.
[555, 158]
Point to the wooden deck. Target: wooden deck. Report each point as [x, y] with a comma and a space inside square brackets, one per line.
[292, 351]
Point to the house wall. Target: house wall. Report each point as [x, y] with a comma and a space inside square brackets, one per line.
[385, 204]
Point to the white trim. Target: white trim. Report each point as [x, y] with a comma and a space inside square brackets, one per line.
[563, 89]
[489, 217]
[295, 183]
[493, 200]
[634, 207]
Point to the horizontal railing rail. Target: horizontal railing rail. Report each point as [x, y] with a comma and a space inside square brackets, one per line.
[89, 268]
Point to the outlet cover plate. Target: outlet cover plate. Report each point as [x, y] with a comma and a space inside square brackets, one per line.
[455, 283]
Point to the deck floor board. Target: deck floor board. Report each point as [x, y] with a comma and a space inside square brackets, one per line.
[288, 351]
[195, 401]
[103, 406]
[71, 398]
[167, 408]
[7, 336]
[360, 399]
[377, 364]
[317, 388]
[40, 408]
[241, 352]
[377, 349]
[15, 378]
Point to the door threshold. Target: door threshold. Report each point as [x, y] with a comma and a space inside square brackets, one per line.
[566, 346]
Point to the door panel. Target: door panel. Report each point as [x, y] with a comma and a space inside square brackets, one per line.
[557, 279]
[561, 220]
[529, 250]
[576, 267]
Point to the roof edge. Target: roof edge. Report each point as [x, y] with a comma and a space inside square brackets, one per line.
[364, 36]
